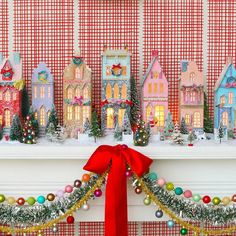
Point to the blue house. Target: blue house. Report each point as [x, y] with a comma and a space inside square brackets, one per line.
[42, 95]
[225, 97]
[115, 87]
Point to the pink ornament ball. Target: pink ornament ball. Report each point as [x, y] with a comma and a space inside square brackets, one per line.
[188, 194]
[68, 189]
[161, 182]
[98, 193]
[60, 193]
[128, 173]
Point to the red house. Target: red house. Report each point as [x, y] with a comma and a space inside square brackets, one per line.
[11, 85]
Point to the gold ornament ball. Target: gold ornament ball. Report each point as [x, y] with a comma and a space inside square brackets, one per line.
[170, 186]
[50, 197]
[147, 201]
[226, 200]
[2, 198]
[216, 201]
[11, 200]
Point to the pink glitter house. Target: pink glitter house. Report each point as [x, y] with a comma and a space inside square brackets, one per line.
[155, 93]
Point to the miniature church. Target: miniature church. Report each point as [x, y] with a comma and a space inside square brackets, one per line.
[76, 94]
[225, 93]
[116, 77]
[191, 95]
[11, 85]
[154, 93]
[42, 95]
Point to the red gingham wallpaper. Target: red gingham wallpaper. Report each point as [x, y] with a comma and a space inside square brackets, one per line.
[175, 29]
[43, 31]
[221, 40]
[4, 27]
[113, 23]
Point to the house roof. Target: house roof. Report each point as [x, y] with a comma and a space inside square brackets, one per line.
[221, 77]
[121, 52]
[148, 70]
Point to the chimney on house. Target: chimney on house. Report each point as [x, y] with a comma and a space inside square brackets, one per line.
[154, 53]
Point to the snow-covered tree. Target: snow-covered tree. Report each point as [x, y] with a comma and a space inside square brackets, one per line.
[87, 126]
[183, 127]
[95, 130]
[55, 134]
[230, 130]
[169, 125]
[34, 121]
[221, 131]
[126, 125]
[141, 137]
[135, 107]
[53, 118]
[50, 132]
[118, 133]
[208, 123]
[191, 137]
[149, 130]
[177, 136]
[16, 128]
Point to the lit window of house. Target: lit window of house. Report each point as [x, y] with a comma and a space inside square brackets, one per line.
[231, 98]
[69, 113]
[77, 92]
[42, 116]
[0, 119]
[159, 116]
[86, 112]
[225, 118]
[86, 92]
[69, 93]
[7, 118]
[8, 96]
[124, 91]
[14, 96]
[155, 88]
[110, 118]
[77, 112]
[42, 92]
[161, 87]
[116, 91]
[192, 96]
[121, 114]
[149, 88]
[36, 115]
[192, 77]
[49, 113]
[196, 120]
[49, 92]
[0, 95]
[148, 112]
[108, 91]
[222, 100]
[108, 70]
[78, 73]
[124, 70]
[35, 91]
[187, 119]
[155, 75]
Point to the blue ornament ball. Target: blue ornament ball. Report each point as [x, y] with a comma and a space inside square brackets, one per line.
[41, 199]
[170, 223]
[159, 213]
[178, 191]
[153, 176]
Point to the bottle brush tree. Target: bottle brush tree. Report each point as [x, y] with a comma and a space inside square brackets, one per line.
[168, 126]
[16, 128]
[29, 134]
[95, 130]
[141, 137]
[221, 131]
[183, 127]
[207, 122]
[118, 132]
[53, 118]
[86, 126]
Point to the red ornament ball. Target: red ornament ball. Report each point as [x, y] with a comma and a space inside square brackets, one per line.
[206, 199]
[128, 173]
[234, 198]
[70, 219]
[77, 183]
[27, 117]
[138, 190]
[20, 201]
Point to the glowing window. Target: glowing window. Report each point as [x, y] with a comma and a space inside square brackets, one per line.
[225, 118]
[196, 120]
[231, 98]
[124, 72]
[149, 88]
[108, 91]
[77, 92]
[108, 70]
[124, 91]
[161, 87]
[116, 91]
[42, 117]
[49, 113]
[49, 92]
[159, 116]
[110, 118]
[78, 73]
[187, 119]
[69, 93]
[35, 91]
[7, 118]
[148, 113]
[77, 112]
[155, 75]
[1, 119]
[192, 96]
[86, 92]
[69, 113]
[86, 113]
[8, 96]
[36, 115]
[14, 96]
[222, 100]
[155, 88]
[42, 92]
[0, 95]
[121, 114]
[192, 77]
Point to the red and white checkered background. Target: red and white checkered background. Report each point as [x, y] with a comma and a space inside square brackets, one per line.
[175, 29]
[4, 27]
[43, 31]
[221, 40]
[113, 23]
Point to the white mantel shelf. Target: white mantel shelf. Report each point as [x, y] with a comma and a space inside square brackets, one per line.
[62, 152]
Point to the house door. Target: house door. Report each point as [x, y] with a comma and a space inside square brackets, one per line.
[121, 114]
[110, 118]
[7, 118]
[159, 116]
[196, 120]
[225, 118]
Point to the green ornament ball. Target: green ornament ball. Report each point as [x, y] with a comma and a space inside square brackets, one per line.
[153, 176]
[216, 201]
[170, 186]
[196, 197]
[178, 191]
[183, 231]
[147, 201]
[2, 198]
[31, 201]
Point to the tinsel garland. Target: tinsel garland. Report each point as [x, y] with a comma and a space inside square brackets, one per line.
[30, 219]
[182, 210]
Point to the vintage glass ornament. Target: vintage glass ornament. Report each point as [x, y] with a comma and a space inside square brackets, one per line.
[2, 198]
[196, 197]
[206, 199]
[216, 201]
[178, 191]
[41, 199]
[170, 223]
[11, 200]
[147, 201]
[153, 176]
[85, 207]
[170, 186]
[70, 220]
[50, 197]
[85, 178]
[159, 213]
[183, 231]
[138, 190]
[31, 201]
[233, 198]
[98, 192]
[226, 200]
[77, 183]
[60, 193]
[68, 189]
[161, 182]
[54, 228]
[188, 194]
[20, 201]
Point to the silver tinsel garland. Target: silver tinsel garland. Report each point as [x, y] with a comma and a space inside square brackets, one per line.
[189, 210]
[38, 214]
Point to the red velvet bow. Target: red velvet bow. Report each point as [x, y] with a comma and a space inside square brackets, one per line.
[104, 102]
[116, 190]
[128, 102]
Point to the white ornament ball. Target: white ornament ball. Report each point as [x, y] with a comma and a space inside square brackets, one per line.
[85, 207]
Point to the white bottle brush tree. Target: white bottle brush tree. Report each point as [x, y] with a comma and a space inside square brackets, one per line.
[177, 137]
[221, 131]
